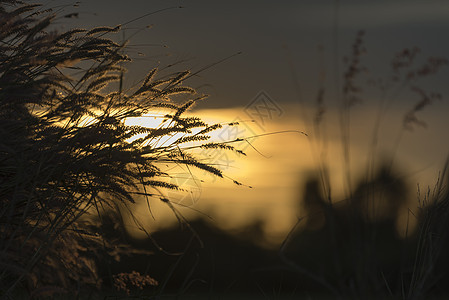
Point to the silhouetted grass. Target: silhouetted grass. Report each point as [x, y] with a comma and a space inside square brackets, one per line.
[350, 247]
[65, 150]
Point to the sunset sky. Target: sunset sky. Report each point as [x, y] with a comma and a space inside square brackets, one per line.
[288, 50]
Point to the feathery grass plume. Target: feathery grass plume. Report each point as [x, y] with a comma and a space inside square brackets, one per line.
[210, 128]
[66, 151]
[103, 30]
[429, 272]
[222, 146]
[356, 235]
[354, 68]
[410, 117]
[192, 138]
[350, 96]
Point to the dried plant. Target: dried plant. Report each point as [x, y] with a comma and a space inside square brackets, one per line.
[430, 265]
[125, 281]
[65, 149]
[359, 230]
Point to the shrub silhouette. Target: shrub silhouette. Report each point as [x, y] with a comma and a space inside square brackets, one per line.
[65, 149]
[350, 246]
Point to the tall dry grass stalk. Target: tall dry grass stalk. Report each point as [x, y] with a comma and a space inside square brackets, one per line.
[66, 151]
[364, 256]
[429, 270]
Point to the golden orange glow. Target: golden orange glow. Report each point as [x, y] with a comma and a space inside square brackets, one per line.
[273, 174]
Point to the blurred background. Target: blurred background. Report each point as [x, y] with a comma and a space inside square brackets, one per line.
[279, 68]
[342, 113]
[337, 186]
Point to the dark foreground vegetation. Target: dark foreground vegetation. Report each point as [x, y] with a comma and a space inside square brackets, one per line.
[69, 168]
[344, 250]
[66, 152]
